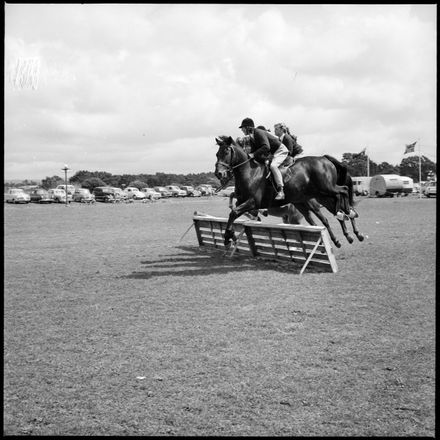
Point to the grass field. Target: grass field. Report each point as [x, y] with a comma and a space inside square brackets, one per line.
[114, 327]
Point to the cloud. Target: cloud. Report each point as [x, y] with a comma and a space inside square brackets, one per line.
[139, 88]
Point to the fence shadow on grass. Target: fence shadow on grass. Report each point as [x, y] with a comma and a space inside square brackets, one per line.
[195, 261]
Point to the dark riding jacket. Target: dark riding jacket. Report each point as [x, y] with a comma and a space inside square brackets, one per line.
[290, 142]
[263, 144]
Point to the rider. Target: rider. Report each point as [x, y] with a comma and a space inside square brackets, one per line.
[288, 139]
[263, 144]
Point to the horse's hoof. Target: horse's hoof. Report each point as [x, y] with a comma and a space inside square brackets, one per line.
[353, 213]
[360, 237]
[350, 239]
[341, 216]
[338, 244]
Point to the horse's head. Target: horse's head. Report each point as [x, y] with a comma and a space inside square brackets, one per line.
[225, 158]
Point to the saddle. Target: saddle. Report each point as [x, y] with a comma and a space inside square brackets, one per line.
[284, 168]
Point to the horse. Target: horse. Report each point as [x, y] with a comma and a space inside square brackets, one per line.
[309, 183]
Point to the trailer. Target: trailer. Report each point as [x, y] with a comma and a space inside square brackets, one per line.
[385, 185]
[361, 185]
[408, 185]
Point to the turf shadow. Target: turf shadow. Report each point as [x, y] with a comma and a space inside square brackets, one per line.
[191, 261]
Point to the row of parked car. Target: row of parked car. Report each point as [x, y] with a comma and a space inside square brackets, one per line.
[107, 194]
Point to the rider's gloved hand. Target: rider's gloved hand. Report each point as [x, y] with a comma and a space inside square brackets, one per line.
[251, 155]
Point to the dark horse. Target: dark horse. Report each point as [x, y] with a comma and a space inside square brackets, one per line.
[309, 182]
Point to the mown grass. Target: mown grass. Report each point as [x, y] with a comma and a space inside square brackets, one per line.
[114, 327]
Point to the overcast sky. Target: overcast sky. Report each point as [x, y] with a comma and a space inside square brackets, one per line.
[146, 88]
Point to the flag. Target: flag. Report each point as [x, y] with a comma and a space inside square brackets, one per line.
[410, 148]
[360, 154]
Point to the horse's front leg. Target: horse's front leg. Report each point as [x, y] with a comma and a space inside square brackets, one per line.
[236, 212]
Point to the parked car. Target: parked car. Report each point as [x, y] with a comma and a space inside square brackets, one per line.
[134, 193]
[163, 191]
[151, 194]
[40, 195]
[83, 195]
[205, 189]
[16, 195]
[176, 191]
[191, 191]
[59, 195]
[431, 189]
[70, 189]
[121, 195]
[226, 192]
[105, 194]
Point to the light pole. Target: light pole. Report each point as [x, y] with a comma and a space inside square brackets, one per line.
[65, 169]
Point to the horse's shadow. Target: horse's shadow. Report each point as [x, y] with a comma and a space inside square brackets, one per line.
[195, 261]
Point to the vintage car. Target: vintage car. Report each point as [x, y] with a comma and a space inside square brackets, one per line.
[40, 195]
[205, 189]
[151, 194]
[16, 195]
[176, 191]
[430, 189]
[70, 188]
[163, 191]
[105, 194]
[59, 195]
[134, 193]
[121, 195]
[83, 195]
[191, 191]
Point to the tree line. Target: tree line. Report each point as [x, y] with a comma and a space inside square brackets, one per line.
[356, 163]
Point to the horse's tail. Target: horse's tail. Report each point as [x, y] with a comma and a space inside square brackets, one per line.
[343, 177]
[349, 183]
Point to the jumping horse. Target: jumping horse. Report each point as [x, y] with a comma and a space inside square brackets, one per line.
[309, 182]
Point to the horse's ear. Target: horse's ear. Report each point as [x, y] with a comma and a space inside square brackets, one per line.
[218, 141]
[231, 141]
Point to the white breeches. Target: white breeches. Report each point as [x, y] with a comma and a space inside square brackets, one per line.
[278, 158]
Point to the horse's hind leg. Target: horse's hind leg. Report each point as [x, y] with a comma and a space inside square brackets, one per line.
[314, 206]
[331, 205]
[358, 234]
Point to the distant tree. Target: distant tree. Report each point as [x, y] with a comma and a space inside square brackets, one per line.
[357, 163]
[80, 176]
[92, 182]
[410, 167]
[138, 184]
[386, 168]
[51, 182]
[114, 180]
[148, 180]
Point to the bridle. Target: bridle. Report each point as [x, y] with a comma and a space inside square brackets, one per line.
[228, 166]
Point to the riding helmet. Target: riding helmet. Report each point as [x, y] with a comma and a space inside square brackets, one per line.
[247, 122]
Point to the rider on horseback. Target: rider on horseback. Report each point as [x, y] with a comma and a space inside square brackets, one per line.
[288, 139]
[263, 144]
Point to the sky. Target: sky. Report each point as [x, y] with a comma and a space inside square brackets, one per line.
[146, 88]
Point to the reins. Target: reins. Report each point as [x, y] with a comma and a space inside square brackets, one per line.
[230, 168]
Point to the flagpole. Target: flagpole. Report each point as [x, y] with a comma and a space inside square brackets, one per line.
[368, 165]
